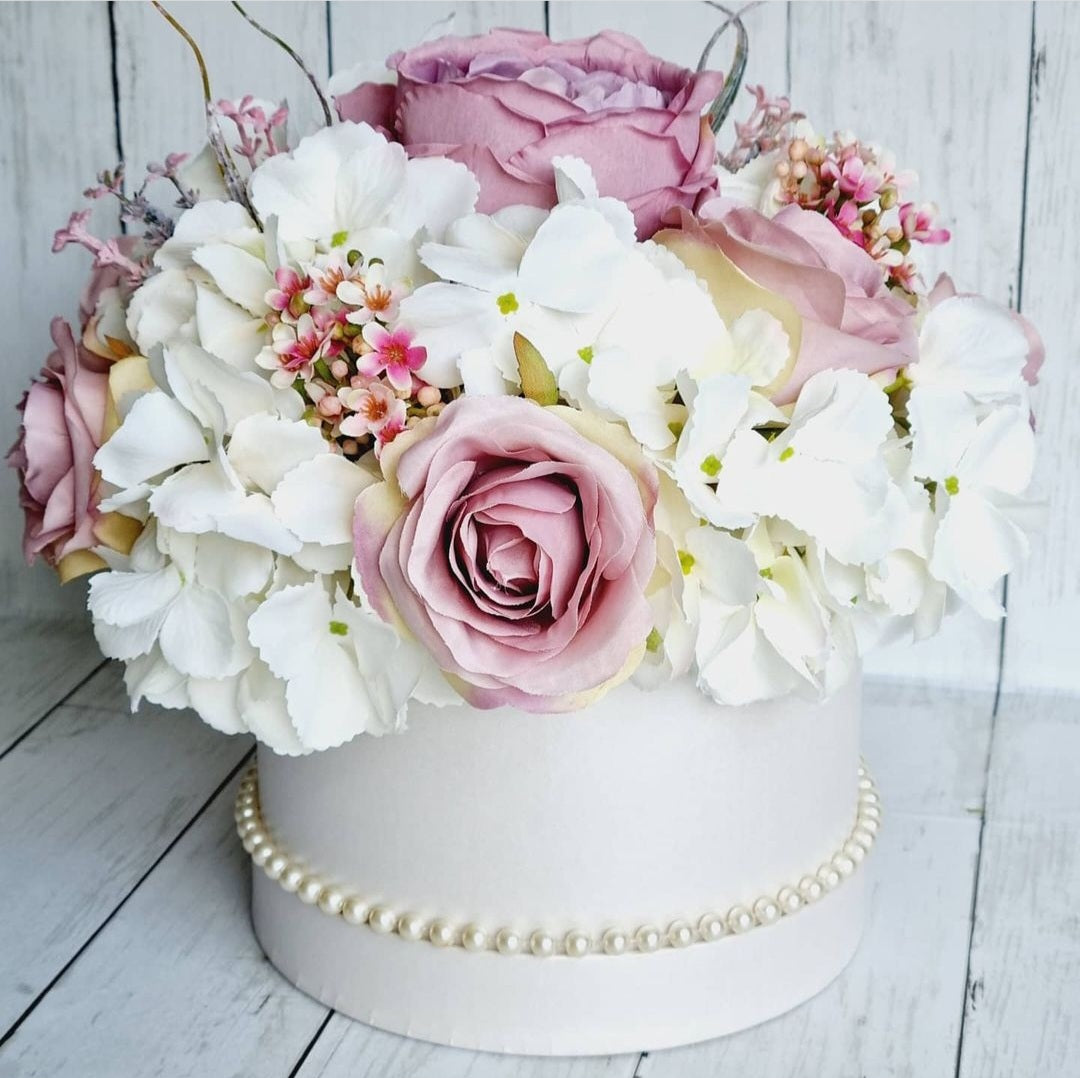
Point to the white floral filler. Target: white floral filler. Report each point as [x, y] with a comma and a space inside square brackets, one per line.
[786, 536]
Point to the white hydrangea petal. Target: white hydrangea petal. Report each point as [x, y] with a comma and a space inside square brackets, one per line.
[325, 560]
[129, 641]
[437, 191]
[300, 612]
[942, 425]
[972, 346]
[207, 221]
[127, 599]
[478, 251]
[1001, 455]
[368, 184]
[329, 706]
[264, 449]
[724, 566]
[228, 331]
[162, 310]
[253, 520]
[839, 415]
[215, 701]
[574, 180]
[197, 635]
[795, 625]
[261, 699]
[157, 435]
[315, 500]
[194, 498]
[241, 277]
[150, 677]
[574, 262]
[232, 568]
[633, 392]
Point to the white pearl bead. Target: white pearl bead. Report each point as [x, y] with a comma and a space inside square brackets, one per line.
[680, 934]
[473, 938]
[766, 911]
[869, 812]
[711, 927]
[789, 899]
[441, 933]
[331, 901]
[309, 890]
[853, 850]
[615, 941]
[276, 865]
[577, 943]
[739, 919]
[382, 919]
[254, 838]
[811, 888]
[355, 910]
[261, 854]
[507, 941]
[541, 944]
[843, 864]
[829, 877]
[647, 938]
[864, 837]
[865, 783]
[869, 797]
[245, 812]
[410, 926]
[291, 877]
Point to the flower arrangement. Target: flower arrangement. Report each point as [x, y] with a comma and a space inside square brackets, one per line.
[507, 386]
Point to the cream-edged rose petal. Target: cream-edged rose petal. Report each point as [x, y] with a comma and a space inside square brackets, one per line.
[157, 435]
[761, 347]
[264, 449]
[316, 499]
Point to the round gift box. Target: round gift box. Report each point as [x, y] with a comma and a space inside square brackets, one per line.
[651, 871]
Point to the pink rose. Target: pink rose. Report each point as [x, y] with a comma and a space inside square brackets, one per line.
[945, 289]
[515, 543]
[844, 315]
[508, 102]
[63, 419]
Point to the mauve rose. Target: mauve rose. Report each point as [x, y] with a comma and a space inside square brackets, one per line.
[515, 543]
[944, 289]
[847, 317]
[508, 102]
[63, 419]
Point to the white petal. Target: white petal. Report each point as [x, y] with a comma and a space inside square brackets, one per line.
[215, 700]
[162, 310]
[795, 625]
[478, 251]
[299, 613]
[206, 222]
[316, 499]
[942, 425]
[264, 449]
[242, 277]
[1001, 455]
[574, 180]
[437, 191]
[448, 320]
[839, 415]
[131, 641]
[368, 183]
[194, 498]
[157, 435]
[197, 636]
[254, 520]
[574, 262]
[724, 566]
[261, 698]
[151, 678]
[228, 331]
[761, 346]
[126, 599]
[232, 568]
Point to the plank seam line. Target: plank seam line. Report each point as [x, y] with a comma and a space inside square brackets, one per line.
[53, 708]
[1032, 75]
[123, 901]
[311, 1044]
[638, 1072]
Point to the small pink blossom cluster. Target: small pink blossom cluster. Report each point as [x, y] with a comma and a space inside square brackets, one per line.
[261, 136]
[332, 340]
[856, 186]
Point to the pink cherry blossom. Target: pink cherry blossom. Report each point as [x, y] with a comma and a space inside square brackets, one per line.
[300, 346]
[289, 294]
[394, 353]
[374, 407]
[917, 223]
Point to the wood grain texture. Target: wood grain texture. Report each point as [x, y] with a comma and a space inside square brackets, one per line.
[88, 801]
[1044, 597]
[945, 87]
[56, 133]
[175, 985]
[346, 1049]
[160, 96]
[40, 663]
[1023, 1000]
[369, 31]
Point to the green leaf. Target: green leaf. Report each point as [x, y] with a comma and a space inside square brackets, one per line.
[537, 381]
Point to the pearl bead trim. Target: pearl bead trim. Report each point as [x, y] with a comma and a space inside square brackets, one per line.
[387, 919]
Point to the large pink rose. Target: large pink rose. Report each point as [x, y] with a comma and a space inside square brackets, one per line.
[508, 102]
[63, 420]
[845, 315]
[515, 543]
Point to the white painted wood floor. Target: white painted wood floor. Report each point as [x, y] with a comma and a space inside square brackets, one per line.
[126, 951]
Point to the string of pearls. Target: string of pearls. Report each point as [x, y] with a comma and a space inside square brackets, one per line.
[386, 919]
